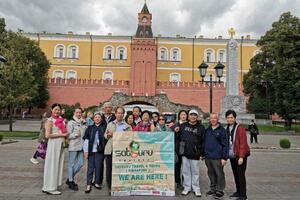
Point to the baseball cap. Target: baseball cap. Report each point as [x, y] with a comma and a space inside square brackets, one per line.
[193, 111]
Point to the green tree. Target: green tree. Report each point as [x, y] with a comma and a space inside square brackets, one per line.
[275, 72]
[23, 80]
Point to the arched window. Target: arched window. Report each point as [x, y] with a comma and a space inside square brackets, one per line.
[222, 55]
[108, 76]
[73, 51]
[58, 74]
[108, 52]
[71, 74]
[209, 55]
[59, 51]
[175, 54]
[121, 53]
[175, 77]
[163, 53]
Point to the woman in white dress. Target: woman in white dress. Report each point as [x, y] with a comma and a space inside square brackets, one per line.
[56, 132]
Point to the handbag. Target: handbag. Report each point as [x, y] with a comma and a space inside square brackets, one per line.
[42, 149]
[181, 147]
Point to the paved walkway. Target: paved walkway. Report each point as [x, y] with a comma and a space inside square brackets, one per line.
[23, 125]
[270, 175]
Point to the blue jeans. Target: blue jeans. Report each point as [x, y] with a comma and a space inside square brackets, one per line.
[76, 161]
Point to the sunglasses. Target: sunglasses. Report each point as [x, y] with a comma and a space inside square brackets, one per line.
[161, 119]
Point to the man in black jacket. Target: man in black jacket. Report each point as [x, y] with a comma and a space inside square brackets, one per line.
[192, 133]
[216, 150]
[252, 128]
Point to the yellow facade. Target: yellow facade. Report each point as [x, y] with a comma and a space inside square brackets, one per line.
[91, 61]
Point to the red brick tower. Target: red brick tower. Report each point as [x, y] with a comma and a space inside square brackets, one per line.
[143, 57]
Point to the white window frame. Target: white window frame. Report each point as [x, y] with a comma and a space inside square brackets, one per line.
[56, 52]
[105, 52]
[212, 55]
[112, 75]
[224, 55]
[70, 51]
[58, 70]
[171, 77]
[69, 71]
[166, 54]
[172, 54]
[119, 48]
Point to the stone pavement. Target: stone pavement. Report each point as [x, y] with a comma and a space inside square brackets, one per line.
[270, 175]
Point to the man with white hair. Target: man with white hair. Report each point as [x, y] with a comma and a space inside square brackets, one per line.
[215, 151]
[108, 115]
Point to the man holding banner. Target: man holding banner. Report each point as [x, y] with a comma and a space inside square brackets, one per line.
[118, 125]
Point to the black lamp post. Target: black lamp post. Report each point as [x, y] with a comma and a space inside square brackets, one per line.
[219, 73]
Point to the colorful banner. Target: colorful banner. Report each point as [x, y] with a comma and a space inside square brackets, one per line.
[143, 164]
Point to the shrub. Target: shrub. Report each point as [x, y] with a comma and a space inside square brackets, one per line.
[285, 143]
[1, 137]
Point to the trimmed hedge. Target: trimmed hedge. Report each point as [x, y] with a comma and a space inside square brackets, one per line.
[285, 143]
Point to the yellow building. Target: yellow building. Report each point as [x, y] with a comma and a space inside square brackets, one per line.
[109, 57]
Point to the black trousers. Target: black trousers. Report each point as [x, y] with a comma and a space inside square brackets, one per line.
[216, 175]
[95, 164]
[253, 135]
[108, 164]
[239, 176]
[178, 170]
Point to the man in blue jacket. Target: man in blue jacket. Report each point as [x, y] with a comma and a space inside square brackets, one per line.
[215, 151]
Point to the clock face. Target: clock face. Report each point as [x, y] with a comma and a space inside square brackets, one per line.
[145, 19]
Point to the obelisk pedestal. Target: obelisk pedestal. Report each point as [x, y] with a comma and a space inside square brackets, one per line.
[232, 100]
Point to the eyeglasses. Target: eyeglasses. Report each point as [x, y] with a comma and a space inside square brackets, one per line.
[161, 119]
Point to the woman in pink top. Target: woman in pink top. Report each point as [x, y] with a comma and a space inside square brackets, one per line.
[145, 124]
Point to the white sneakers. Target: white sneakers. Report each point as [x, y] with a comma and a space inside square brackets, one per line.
[52, 192]
[185, 192]
[34, 161]
[198, 194]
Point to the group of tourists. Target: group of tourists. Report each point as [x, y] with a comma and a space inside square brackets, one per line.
[90, 139]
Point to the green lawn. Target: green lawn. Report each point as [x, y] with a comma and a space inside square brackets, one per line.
[19, 134]
[271, 128]
[278, 128]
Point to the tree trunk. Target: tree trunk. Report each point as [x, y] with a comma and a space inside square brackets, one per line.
[288, 124]
[29, 110]
[10, 119]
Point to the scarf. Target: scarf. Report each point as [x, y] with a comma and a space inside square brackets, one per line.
[162, 127]
[145, 126]
[59, 123]
[79, 121]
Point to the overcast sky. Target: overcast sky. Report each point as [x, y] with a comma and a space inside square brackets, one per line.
[170, 17]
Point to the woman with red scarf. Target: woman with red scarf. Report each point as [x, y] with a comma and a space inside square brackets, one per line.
[56, 132]
[145, 124]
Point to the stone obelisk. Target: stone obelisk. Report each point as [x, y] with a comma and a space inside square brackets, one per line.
[233, 100]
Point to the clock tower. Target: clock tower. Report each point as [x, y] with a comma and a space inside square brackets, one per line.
[143, 57]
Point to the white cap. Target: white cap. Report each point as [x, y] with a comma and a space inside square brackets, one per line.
[193, 111]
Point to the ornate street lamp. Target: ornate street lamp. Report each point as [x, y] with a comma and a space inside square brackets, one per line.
[202, 70]
[219, 70]
[219, 73]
